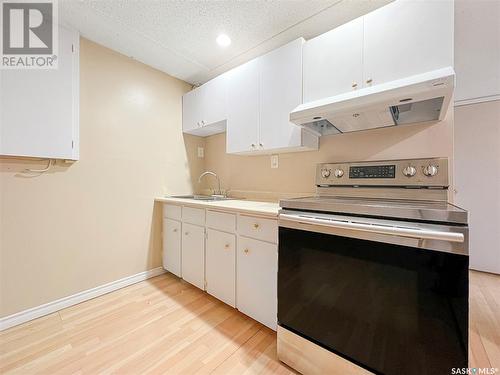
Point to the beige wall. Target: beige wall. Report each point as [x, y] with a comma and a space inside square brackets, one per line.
[86, 224]
[252, 176]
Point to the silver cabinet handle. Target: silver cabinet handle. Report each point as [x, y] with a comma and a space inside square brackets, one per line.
[374, 228]
[369, 80]
[354, 85]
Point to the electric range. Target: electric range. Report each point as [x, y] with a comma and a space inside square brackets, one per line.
[373, 271]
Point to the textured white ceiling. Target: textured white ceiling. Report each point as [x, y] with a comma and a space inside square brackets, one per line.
[178, 37]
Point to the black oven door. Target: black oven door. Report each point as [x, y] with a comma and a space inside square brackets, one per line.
[390, 308]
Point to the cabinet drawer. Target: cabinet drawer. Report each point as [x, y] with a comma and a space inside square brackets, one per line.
[259, 228]
[172, 211]
[221, 220]
[193, 215]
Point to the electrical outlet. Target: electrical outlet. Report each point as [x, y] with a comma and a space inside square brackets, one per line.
[274, 161]
[201, 152]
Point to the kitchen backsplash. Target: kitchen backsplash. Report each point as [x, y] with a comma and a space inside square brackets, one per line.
[251, 177]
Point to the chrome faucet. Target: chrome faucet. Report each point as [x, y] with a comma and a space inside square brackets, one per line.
[219, 191]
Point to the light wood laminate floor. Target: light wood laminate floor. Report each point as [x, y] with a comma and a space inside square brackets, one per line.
[164, 325]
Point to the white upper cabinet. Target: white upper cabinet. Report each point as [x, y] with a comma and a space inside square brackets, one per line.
[398, 40]
[477, 51]
[243, 108]
[191, 111]
[204, 108]
[213, 97]
[39, 109]
[328, 72]
[405, 38]
[261, 95]
[280, 93]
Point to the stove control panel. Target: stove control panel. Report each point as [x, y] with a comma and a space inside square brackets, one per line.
[410, 172]
[375, 171]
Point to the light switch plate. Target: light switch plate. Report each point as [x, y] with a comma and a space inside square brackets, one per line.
[201, 152]
[274, 161]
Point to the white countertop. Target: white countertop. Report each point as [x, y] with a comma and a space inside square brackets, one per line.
[235, 205]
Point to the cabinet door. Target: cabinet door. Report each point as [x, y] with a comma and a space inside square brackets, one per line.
[333, 62]
[257, 280]
[193, 254]
[477, 66]
[172, 246]
[280, 93]
[39, 108]
[213, 100]
[191, 110]
[407, 37]
[243, 108]
[221, 265]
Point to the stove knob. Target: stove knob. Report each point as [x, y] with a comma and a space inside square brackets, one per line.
[338, 173]
[431, 170]
[410, 171]
[325, 173]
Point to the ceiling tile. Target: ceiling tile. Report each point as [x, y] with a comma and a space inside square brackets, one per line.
[178, 37]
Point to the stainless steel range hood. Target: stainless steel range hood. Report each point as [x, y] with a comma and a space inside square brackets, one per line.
[417, 99]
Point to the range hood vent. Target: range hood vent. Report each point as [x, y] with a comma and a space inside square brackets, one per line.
[421, 98]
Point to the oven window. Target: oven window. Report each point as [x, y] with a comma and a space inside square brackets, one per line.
[391, 309]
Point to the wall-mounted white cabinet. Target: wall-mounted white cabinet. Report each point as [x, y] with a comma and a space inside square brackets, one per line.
[204, 108]
[261, 95]
[406, 38]
[280, 93]
[243, 108]
[477, 51]
[39, 109]
[387, 44]
[328, 72]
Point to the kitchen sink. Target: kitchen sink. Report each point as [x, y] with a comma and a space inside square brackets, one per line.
[202, 197]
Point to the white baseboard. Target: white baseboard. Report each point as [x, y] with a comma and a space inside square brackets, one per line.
[49, 308]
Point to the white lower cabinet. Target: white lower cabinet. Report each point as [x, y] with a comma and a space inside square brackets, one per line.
[232, 256]
[220, 265]
[172, 246]
[193, 254]
[256, 284]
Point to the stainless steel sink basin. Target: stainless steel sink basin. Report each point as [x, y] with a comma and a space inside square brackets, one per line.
[202, 197]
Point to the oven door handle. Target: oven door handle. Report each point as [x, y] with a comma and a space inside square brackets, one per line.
[380, 229]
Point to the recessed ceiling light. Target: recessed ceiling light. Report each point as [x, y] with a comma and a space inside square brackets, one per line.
[223, 40]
